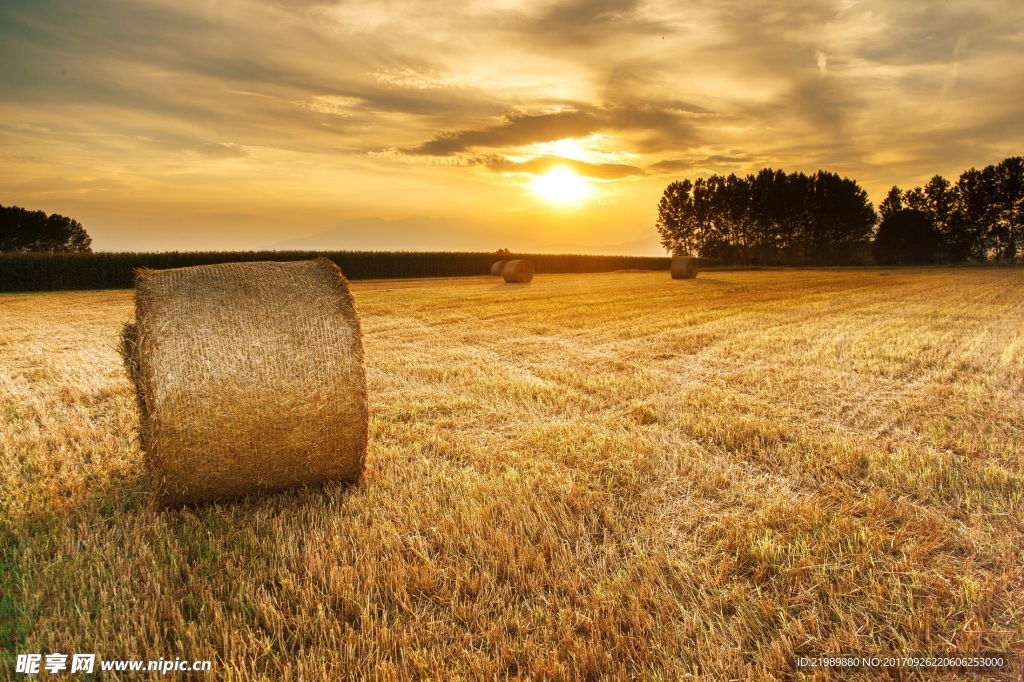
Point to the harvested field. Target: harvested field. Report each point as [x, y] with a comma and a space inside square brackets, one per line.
[596, 476]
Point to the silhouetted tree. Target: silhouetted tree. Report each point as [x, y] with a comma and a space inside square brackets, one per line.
[906, 237]
[823, 219]
[940, 198]
[732, 208]
[770, 217]
[22, 230]
[1008, 198]
[771, 213]
[840, 217]
[969, 235]
[893, 202]
[679, 234]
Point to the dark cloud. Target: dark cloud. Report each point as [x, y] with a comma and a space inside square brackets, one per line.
[575, 23]
[667, 125]
[521, 129]
[668, 165]
[541, 165]
[715, 163]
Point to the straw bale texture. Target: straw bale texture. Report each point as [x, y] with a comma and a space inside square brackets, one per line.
[497, 268]
[249, 378]
[518, 271]
[684, 267]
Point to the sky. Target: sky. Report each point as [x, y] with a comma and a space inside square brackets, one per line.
[530, 125]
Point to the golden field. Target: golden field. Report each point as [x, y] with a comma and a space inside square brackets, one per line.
[602, 476]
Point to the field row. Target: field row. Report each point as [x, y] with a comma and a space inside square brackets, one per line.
[605, 476]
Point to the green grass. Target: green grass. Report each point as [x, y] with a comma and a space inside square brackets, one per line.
[13, 627]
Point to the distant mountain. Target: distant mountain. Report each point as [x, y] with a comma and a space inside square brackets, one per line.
[421, 233]
[645, 246]
[415, 233]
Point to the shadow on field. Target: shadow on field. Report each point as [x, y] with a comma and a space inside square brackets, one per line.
[14, 628]
[510, 286]
[154, 569]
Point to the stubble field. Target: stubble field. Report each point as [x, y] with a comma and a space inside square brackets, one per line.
[592, 476]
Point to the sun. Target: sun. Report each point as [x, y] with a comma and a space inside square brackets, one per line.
[561, 186]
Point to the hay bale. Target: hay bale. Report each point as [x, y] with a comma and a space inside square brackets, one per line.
[684, 267]
[249, 378]
[497, 268]
[518, 271]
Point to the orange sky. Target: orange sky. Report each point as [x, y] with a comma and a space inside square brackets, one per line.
[242, 125]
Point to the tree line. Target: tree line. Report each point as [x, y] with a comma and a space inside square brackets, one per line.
[772, 218]
[24, 230]
[979, 218]
[109, 270]
[778, 218]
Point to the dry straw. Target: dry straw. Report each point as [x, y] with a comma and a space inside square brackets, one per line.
[684, 267]
[249, 378]
[518, 271]
[498, 267]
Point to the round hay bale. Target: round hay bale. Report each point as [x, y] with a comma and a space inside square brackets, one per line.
[518, 271]
[498, 267]
[684, 267]
[249, 378]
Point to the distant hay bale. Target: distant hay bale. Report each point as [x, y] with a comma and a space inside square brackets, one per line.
[249, 378]
[518, 271]
[684, 267]
[498, 267]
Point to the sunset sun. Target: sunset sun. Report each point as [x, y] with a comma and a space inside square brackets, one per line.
[561, 186]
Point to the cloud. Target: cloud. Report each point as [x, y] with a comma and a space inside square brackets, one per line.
[339, 95]
[660, 124]
[63, 185]
[575, 23]
[517, 129]
[543, 164]
[338, 105]
[703, 165]
[221, 150]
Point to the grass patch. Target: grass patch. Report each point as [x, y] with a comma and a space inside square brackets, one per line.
[14, 625]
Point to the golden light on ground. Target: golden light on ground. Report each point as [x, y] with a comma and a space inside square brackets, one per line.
[616, 440]
[561, 186]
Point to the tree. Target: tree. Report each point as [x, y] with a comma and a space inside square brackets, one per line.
[1009, 202]
[893, 202]
[768, 217]
[22, 230]
[968, 229]
[940, 198]
[906, 237]
[769, 209]
[675, 219]
[840, 218]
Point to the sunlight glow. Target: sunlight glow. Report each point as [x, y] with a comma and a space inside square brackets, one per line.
[597, 148]
[561, 186]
